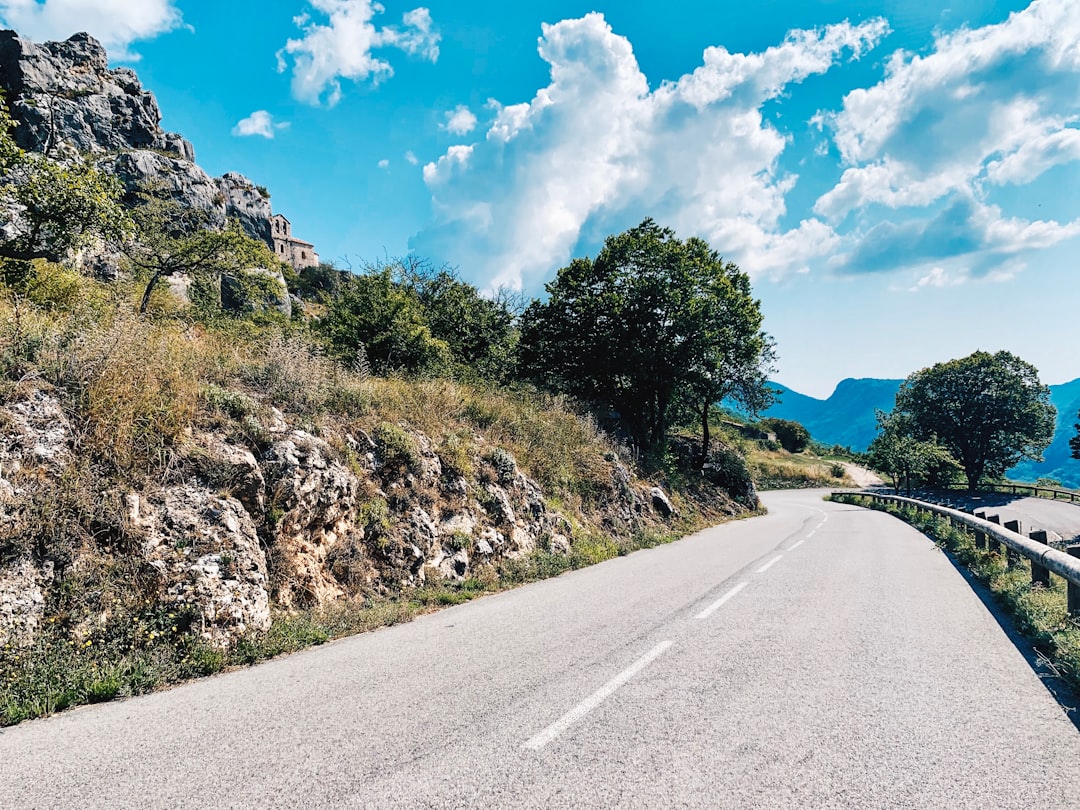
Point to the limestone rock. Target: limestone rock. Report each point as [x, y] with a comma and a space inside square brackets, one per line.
[661, 503]
[22, 602]
[317, 498]
[206, 550]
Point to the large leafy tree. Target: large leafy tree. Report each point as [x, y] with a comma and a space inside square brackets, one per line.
[651, 321]
[379, 322]
[988, 410]
[50, 207]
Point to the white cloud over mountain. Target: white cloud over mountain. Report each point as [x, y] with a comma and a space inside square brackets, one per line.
[597, 143]
[942, 132]
[342, 47]
[116, 23]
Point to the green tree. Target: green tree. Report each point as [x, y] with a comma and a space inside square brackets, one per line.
[173, 240]
[651, 321]
[988, 410]
[53, 207]
[896, 452]
[792, 436]
[377, 320]
[478, 331]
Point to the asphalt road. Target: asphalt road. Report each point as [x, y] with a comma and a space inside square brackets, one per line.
[1033, 513]
[821, 656]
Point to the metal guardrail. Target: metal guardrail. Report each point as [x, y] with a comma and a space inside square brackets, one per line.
[1051, 493]
[1044, 559]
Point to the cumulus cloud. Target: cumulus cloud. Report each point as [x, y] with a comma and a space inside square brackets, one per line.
[460, 121]
[597, 149]
[384, 164]
[411, 158]
[116, 23]
[259, 123]
[980, 235]
[985, 107]
[342, 47]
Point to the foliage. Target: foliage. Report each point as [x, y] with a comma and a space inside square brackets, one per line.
[478, 331]
[792, 436]
[650, 321]
[54, 207]
[896, 452]
[174, 240]
[988, 410]
[376, 316]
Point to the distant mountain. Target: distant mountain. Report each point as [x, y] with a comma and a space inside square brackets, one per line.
[1059, 462]
[847, 418]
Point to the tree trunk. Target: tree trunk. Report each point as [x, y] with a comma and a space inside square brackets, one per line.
[705, 437]
[154, 279]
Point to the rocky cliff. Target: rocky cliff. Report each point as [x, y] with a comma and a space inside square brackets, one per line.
[67, 103]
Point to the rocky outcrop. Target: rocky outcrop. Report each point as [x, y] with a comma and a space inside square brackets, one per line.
[206, 550]
[70, 105]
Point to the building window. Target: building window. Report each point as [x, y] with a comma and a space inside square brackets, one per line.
[303, 254]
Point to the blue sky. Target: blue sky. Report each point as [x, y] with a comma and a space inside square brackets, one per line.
[899, 178]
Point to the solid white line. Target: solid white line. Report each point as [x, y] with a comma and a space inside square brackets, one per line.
[796, 545]
[770, 564]
[715, 606]
[594, 700]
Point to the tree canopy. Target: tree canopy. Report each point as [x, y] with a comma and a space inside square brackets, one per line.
[988, 410]
[905, 459]
[652, 320]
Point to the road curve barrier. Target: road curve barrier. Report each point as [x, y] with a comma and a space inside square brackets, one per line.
[989, 533]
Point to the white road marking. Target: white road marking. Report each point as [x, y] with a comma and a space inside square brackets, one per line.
[594, 700]
[796, 545]
[770, 564]
[811, 534]
[715, 606]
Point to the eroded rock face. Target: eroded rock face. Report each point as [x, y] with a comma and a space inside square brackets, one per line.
[34, 435]
[206, 549]
[69, 104]
[22, 602]
[315, 500]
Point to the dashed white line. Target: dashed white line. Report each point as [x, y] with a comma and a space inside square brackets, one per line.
[770, 564]
[715, 606]
[595, 699]
[796, 545]
[811, 534]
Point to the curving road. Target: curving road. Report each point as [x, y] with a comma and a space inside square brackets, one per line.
[821, 656]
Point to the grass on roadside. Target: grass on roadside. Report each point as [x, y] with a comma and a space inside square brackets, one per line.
[1040, 613]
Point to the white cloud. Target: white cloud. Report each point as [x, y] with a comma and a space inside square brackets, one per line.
[411, 158]
[259, 123]
[596, 148]
[939, 278]
[460, 121]
[115, 23]
[342, 47]
[990, 105]
[384, 164]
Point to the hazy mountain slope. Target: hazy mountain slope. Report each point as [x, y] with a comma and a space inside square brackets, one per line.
[1059, 462]
[846, 417]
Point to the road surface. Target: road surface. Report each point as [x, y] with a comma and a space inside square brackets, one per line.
[820, 656]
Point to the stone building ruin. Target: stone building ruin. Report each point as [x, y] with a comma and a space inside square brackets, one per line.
[297, 252]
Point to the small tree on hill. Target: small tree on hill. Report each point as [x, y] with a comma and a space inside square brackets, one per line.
[988, 410]
[791, 435]
[896, 452]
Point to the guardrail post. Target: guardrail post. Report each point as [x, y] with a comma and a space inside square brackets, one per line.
[1074, 590]
[1013, 557]
[980, 539]
[995, 544]
[1040, 575]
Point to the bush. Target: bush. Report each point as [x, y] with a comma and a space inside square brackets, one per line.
[792, 436]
